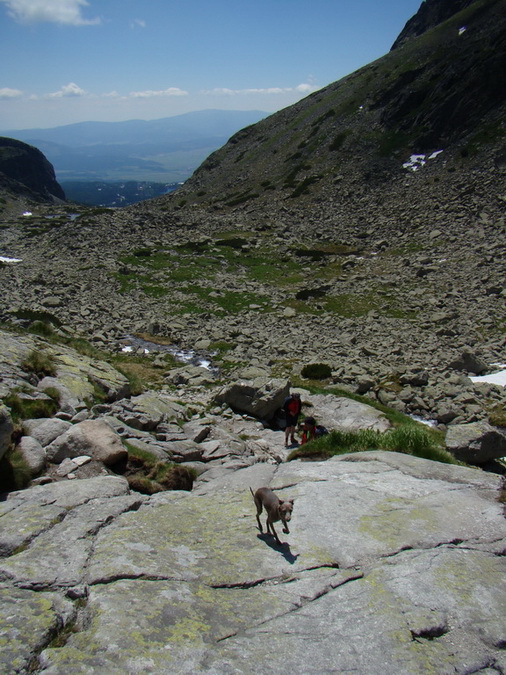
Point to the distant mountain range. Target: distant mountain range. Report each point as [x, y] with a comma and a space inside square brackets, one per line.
[165, 150]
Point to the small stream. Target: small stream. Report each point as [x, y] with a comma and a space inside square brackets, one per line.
[134, 344]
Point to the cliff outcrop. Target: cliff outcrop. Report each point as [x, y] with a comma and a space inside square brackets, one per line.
[25, 170]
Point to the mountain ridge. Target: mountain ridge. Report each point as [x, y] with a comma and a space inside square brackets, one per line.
[164, 150]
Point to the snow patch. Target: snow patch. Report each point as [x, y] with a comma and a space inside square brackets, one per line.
[416, 162]
[498, 377]
[4, 259]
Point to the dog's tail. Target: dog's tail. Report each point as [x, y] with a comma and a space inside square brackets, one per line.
[252, 493]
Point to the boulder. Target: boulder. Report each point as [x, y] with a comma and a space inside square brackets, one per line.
[147, 411]
[469, 362]
[6, 429]
[45, 429]
[260, 397]
[33, 454]
[476, 443]
[345, 414]
[92, 437]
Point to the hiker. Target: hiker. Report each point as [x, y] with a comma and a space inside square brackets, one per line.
[292, 407]
[308, 430]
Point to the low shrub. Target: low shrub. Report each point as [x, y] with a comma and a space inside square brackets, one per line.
[497, 416]
[42, 328]
[31, 316]
[316, 371]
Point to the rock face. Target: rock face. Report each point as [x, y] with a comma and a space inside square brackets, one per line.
[6, 429]
[386, 569]
[25, 164]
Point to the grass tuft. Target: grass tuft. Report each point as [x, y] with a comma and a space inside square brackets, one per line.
[40, 363]
[147, 474]
[27, 408]
[408, 439]
[14, 472]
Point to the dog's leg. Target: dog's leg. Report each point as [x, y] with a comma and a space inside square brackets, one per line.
[258, 504]
[270, 525]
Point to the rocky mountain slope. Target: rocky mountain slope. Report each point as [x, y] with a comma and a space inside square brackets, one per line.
[312, 236]
[442, 91]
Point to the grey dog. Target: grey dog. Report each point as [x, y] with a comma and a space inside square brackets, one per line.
[275, 508]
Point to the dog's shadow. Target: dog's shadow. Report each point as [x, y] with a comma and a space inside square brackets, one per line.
[283, 548]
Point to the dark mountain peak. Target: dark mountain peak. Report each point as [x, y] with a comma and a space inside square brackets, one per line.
[430, 14]
[26, 167]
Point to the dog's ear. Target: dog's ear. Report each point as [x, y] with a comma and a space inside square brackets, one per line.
[290, 501]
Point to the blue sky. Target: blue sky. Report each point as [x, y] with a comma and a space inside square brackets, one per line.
[68, 61]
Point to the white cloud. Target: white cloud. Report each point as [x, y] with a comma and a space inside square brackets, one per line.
[138, 23]
[69, 90]
[301, 89]
[306, 88]
[171, 91]
[10, 93]
[65, 12]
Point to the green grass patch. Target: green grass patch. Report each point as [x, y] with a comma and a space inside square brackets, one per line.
[316, 371]
[221, 346]
[140, 371]
[24, 408]
[147, 474]
[410, 440]
[40, 363]
[14, 472]
[231, 302]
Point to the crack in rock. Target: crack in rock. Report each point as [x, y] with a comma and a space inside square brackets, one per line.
[303, 602]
